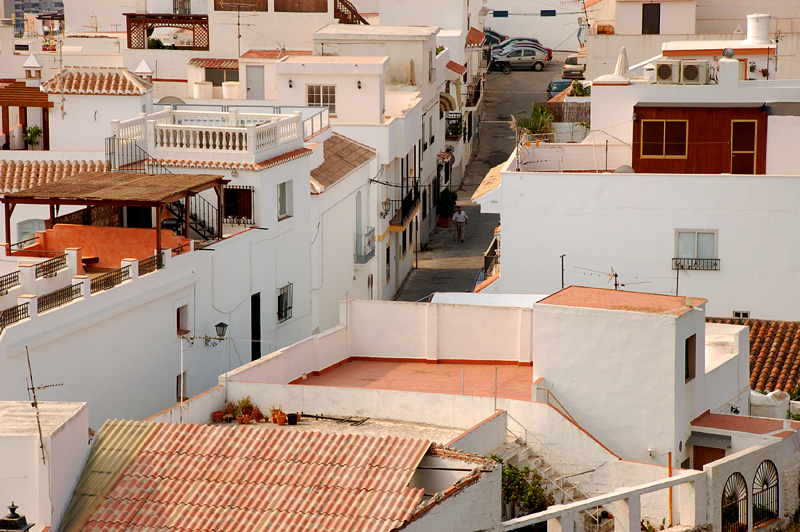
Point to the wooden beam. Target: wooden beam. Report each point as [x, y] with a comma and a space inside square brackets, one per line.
[23, 119]
[8, 229]
[218, 190]
[46, 128]
[158, 228]
[186, 217]
[59, 201]
[6, 127]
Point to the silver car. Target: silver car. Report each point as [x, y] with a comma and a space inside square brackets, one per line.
[523, 57]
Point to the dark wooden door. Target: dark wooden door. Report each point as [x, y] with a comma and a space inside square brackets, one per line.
[651, 19]
[706, 455]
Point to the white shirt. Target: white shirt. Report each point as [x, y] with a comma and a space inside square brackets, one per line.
[460, 216]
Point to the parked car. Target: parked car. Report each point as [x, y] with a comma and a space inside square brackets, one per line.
[572, 69]
[556, 86]
[522, 42]
[527, 57]
[492, 37]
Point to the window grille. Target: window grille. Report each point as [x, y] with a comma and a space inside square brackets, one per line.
[285, 303]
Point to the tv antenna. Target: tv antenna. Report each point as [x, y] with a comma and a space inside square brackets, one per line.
[613, 276]
[35, 404]
[238, 6]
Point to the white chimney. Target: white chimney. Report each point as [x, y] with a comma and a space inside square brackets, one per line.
[728, 71]
[757, 29]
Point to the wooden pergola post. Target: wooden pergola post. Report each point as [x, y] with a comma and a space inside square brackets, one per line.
[159, 208]
[8, 227]
[186, 217]
[23, 119]
[6, 126]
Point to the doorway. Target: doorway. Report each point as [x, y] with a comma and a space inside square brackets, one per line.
[255, 82]
[255, 326]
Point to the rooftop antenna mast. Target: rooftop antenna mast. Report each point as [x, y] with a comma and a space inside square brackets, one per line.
[613, 276]
[239, 24]
[35, 404]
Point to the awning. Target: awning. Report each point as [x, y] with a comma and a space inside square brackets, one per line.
[703, 439]
[446, 102]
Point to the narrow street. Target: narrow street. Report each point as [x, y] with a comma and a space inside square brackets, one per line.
[450, 266]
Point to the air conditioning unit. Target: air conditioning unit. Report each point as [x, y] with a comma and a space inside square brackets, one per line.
[694, 72]
[668, 71]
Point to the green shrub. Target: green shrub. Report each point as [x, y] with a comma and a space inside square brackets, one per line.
[447, 203]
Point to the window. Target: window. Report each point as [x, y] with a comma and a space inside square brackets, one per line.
[388, 263]
[651, 19]
[430, 129]
[284, 200]
[238, 205]
[28, 228]
[240, 5]
[664, 138]
[424, 139]
[515, 53]
[216, 76]
[404, 246]
[690, 347]
[306, 6]
[431, 67]
[182, 315]
[322, 96]
[743, 314]
[285, 303]
[424, 204]
[696, 245]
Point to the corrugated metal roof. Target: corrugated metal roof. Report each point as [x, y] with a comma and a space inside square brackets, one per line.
[245, 479]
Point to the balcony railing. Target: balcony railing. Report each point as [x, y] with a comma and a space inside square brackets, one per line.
[50, 267]
[151, 264]
[405, 207]
[491, 258]
[110, 279]
[695, 264]
[13, 315]
[59, 297]
[454, 127]
[474, 94]
[8, 281]
[365, 246]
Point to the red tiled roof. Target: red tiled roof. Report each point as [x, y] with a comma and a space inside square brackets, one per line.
[243, 479]
[475, 37]
[342, 156]
[21, 175]
[97, 80]
[486, 282]
[223, 165]
[774, 353]
[456, 67]
[607, 299]
[210, 62]
[751, 425]
[272, 54]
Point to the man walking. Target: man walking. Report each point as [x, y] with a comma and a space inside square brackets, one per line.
[461, 220]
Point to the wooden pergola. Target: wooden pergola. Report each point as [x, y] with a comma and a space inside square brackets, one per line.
[16, 94]
[119, 189]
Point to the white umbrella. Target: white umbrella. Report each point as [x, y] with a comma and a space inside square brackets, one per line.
[622, 63]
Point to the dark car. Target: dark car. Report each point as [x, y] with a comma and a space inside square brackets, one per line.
[519, 41]
[493, 38]
[556, 86]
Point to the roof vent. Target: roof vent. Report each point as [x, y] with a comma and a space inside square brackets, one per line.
[14, 521]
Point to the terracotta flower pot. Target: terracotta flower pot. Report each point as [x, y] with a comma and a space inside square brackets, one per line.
[281, 419]
[240, 419]
[218, 416]
[258, 417]
[246, 420]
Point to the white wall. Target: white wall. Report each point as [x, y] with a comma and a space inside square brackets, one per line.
[91, 115]
[676, 18]
[628, 222]
[485, 437]
[559, 32]
[445, 14]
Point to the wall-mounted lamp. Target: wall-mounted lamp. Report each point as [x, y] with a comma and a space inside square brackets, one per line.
[359, 84]
[290, 84]
[635, 116]
[386, 206]
[734, 410]
[220, 328]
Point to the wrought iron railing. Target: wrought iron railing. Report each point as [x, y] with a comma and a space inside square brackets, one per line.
[110, 279]
[151, 264]
[365, 246]
[238, 204]
[346, 13]
[9, 281]
[695, 264]
[50, 267]
[474, 94]
[181, 249]
[202, 216]
[454, 127]
[124, 155]
[405, 206]
[491, 260]
[59, 297]
[13, 315]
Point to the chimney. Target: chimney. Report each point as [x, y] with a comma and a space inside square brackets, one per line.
[145, 71]
[33, 72]
[757, 29]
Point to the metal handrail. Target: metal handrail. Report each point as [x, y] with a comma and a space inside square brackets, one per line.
[563, 409]
[151, 264]
[13, 315]
[110, 279]
[59, 297]
[51, 266]
[9, 280]
[180, 249]
[575, 473]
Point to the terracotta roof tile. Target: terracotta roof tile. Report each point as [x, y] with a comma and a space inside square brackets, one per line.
[475, 37]
[601, 298]
[97, 80]
[486, 282]
[21, 175]
[456, 67]
[342, 156]
[210, 62]
[245, 479]
[272, 54]
[774, 353]
[224, 165]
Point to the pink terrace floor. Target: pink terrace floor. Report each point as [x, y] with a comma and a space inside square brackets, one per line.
[513, 382]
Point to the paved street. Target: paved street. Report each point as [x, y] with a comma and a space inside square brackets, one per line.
[449, 266]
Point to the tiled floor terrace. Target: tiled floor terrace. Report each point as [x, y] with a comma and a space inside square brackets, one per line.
[513, 382]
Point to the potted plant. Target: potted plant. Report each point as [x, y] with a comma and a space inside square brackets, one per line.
[245, 420]
[281, 418]
[230, 412]
[446, 206]
[31, 135]
[218, 416]
[246, 406]
[258, 417]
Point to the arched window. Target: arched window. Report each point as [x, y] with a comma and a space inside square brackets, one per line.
[28, 228]
[765, 493]
[734, 504]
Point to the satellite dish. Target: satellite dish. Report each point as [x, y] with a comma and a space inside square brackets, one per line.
[728, 52]
[171, 100]
[624, 169]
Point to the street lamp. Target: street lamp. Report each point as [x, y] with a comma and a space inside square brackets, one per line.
[386, 206]
[220, 328]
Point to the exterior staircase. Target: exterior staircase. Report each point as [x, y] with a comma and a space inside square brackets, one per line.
[346, 13]
[202, 217]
